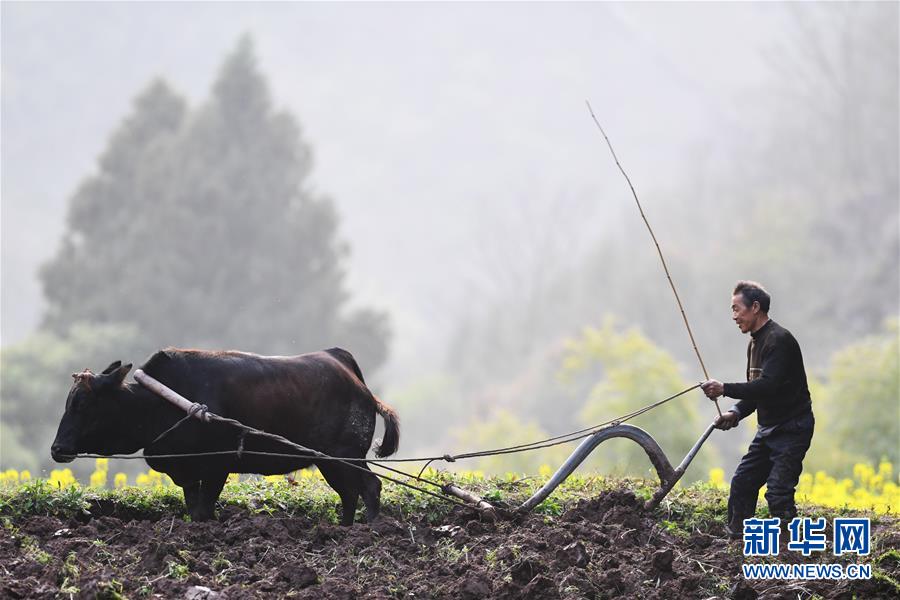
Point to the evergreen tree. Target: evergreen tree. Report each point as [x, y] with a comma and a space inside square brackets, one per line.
[201, 229]
[103, 212]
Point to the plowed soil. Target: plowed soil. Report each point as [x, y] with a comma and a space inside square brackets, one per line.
[607, 547]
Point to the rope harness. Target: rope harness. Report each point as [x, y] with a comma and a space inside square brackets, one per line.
[202, 412]
[195, 408]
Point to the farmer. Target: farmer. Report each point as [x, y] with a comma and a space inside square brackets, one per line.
[776, 388]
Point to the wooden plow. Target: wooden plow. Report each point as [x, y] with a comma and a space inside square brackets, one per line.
[668, 476]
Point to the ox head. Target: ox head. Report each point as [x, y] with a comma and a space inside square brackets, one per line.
[92, 421]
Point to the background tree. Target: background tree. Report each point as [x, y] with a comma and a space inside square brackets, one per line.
[833, 126]
[857, 413]
[84, 281]
[201, 229]
[198, 229]
[626, 371]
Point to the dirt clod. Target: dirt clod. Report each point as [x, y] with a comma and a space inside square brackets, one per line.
[540, 587]
[662, 560]
[297, 577]
[200, 592]
[526, 570]
[573, 555]
[743, 591]
[474, 586]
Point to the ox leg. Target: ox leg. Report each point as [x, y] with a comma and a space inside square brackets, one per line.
[343, 481]
[371, 493]
[191, 497]
[210, 488]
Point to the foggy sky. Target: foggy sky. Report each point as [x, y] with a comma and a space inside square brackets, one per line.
[433, 125]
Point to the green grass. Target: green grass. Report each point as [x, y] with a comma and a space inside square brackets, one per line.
[683, 511]
[307, 496]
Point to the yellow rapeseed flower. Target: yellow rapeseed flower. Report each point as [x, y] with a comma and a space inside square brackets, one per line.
[717, 478]
[62, 478]
[9, 477]
[98, 479]
[870, 489]
[154, 479]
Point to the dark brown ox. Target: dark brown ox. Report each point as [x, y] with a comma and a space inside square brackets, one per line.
[318, 400]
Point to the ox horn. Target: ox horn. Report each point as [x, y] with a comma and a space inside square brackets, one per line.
[85, 375]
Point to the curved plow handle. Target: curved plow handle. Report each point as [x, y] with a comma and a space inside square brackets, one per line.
[668, 476]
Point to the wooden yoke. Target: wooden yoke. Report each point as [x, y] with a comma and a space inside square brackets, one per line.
[191, 408]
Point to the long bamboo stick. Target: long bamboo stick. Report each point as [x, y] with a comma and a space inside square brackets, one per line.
[658, 249]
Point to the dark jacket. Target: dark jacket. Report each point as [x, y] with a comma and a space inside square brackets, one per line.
[776, 380]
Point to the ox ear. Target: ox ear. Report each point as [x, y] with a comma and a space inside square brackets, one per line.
[120, 373]
[112, 367]
[114, 378]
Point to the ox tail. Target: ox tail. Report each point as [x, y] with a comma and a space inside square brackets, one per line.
[391, 440]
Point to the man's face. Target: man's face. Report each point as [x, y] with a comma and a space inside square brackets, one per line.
[745, 316]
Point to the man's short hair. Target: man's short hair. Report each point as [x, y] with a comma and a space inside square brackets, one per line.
[753, 292]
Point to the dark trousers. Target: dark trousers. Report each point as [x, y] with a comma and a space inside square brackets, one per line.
[775, 459]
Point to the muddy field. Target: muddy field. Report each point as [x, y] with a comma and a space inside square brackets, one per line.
[607, 547]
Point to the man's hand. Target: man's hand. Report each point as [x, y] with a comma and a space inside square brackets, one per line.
[712, 388]
[728, 420]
